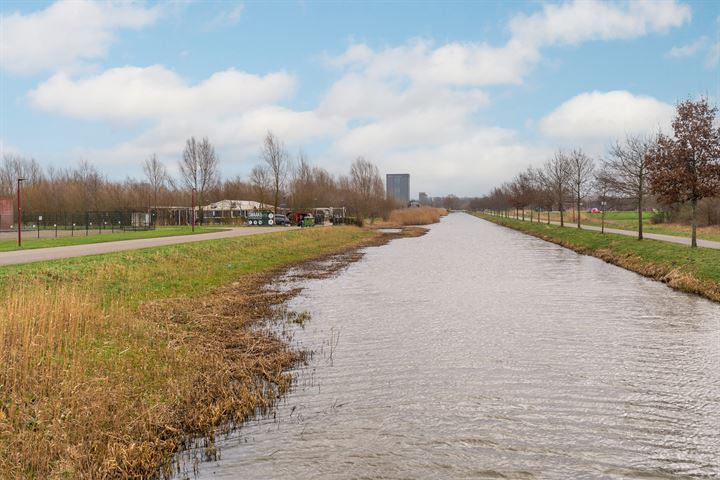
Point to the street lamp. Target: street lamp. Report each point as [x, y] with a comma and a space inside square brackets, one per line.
[19, 217]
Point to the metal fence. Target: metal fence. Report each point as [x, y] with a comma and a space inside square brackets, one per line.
[81, 222]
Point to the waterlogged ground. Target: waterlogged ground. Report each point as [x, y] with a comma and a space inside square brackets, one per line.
[479, 352]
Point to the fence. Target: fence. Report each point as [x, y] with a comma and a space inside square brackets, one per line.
[81, 222]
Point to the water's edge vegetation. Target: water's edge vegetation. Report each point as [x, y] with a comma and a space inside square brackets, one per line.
[680, 267]
[112, 363]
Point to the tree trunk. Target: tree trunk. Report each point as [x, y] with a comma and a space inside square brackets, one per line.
[693, 242]
[578, 211]
[548, 217]
[562, 216]
[640, 217]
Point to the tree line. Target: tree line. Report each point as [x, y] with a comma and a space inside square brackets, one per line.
[279, 179]
[677, 170]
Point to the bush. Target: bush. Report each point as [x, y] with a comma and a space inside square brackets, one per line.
[658, 216]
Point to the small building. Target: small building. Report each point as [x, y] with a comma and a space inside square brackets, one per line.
[398, 187]
[424, 199]
[231, 209]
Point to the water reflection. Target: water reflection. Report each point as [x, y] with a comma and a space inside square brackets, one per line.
[479, 352]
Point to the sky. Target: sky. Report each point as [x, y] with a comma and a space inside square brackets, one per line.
[459, 94]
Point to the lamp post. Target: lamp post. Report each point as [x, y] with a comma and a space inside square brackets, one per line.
[19, 212]
[193, 209]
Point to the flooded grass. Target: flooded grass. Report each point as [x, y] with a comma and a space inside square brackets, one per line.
[689, 270]
[112, 364]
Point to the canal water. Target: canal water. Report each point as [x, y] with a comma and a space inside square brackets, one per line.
[479, 352]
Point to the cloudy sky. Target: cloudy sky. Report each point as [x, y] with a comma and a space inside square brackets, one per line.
[461, 95]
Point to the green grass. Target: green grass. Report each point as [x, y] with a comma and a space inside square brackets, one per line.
[185, 269]
[702, 263]
[628, 220]
[30, 240]
[92, 365]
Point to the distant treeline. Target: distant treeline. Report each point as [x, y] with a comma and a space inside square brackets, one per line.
[680, 172]
[278, 179]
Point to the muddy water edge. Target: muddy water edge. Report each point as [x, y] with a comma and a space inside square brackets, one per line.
[242, 328]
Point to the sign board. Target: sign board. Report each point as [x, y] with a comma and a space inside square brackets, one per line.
[260, 218]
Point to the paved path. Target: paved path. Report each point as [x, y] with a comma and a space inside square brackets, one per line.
[54, 253]
[653, 236]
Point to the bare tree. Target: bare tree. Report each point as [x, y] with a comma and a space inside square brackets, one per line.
[581, 174]
[199, 167]
[367, 187]
[261, 182]
[603, 184]
[156, 174]
[276, 158]
[686, 168]
[626, 167]
[302, 188]
[556, 176]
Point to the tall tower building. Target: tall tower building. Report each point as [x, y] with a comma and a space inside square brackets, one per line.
[398, 187]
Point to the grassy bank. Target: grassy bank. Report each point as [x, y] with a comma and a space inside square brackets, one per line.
[416, 216]
[110, 362]
[690, 270]
[629, 221]
[30, 240]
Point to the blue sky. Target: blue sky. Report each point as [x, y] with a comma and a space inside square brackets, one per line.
[461, 95]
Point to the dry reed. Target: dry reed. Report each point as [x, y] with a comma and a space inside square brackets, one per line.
[95, 385]
[417, 216]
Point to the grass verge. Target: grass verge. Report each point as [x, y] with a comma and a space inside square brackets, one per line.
[110, 364]
[629, 221]
[690, 270]
[30, 241]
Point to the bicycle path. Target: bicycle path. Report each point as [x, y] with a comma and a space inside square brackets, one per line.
[17, 257]
[653, 236]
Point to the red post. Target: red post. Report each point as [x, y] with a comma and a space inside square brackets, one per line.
[193, 209]
[19, 218]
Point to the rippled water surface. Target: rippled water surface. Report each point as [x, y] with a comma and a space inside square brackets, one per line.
[479, 352]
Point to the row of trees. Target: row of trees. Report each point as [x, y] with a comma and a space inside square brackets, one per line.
[278, 180]
[677, 169]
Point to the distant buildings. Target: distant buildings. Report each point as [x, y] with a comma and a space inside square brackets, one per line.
[424, 199]
[398, 187]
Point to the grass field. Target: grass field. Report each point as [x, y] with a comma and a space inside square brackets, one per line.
[110, 362]
[692, 270]
[30, 240]
[629, 221]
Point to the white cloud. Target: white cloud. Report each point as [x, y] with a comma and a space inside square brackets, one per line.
[604, 116]
[451, 64]
[134, 93]
[66, 32]
[479, 64]
[688, 50]
[581, 21]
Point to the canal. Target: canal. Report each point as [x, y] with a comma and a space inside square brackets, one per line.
[478, 352]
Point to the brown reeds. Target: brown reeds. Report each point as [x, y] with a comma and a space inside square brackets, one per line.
[93, 385]
[416, 216]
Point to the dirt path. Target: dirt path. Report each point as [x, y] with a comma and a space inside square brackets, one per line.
[54, 253]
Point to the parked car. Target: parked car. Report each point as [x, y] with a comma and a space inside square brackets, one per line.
[281, 219]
